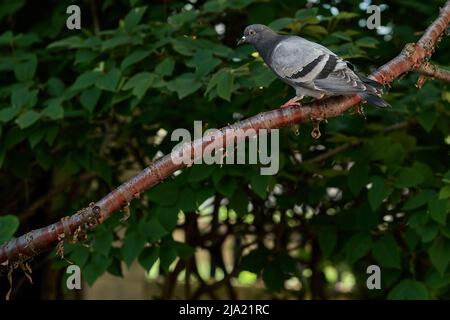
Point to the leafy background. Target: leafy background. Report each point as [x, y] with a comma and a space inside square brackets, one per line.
[83, 110]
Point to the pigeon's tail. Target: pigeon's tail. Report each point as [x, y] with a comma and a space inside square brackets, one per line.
[374, 99]
[374, 90]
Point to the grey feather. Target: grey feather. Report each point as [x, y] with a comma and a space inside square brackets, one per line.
[310, 68]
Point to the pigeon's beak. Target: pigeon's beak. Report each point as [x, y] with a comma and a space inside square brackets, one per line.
[241, 41]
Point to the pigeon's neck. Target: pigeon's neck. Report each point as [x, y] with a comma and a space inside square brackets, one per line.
[266, 46]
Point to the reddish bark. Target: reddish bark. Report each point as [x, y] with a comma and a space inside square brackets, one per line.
[17, 251]
[433, 71]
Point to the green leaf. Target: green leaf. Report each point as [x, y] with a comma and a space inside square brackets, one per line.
[184, 85]
[148, 257]
[444, 193]
[223, 81]
[203, 62]
[165, 194]
[55, 87]
[133, 245]
[418, 200]
[140, 83]
[386, 252]
[226, 186]
[183, 250]
[221, 5]
[85, 80]
[27, 119]
[7, 114]
[349, 50]
[186, 201]
[273, 277]
[409, 289]
[89, 98]
[314, 31]
[84, 57]
[408, 177]
[167, 216]
[26, 70]
[133, 58]
[358, 246]
[435, 281]
[239, 202]
[306, 13]
[12, 138]
[346, 15]
[358, 177]
[35, 137]
[116, 41]
[200, 172]
[109, 81]
[427, 119]
[79, 255]
[428, 232]
[367, 42]
[115, 268]
[281, 23]
[95, 268]
[167, 255]
[153, 230]
[203, 194]
[8, 226]
[327, 240]
[54, 109]
[183, 17]
[378, 192]
[52, 132]
[22, 97]
[165, 68]
[102, 242]
[260, 184]
[134, 17]
[261, 75]
[437, 209]
[439, 253]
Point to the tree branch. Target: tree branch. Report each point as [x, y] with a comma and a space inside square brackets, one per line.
[433, 71]
[15, 252]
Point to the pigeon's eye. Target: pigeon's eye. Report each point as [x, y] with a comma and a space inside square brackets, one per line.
[252, 32]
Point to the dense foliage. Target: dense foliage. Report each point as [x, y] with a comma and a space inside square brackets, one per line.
[83, 110]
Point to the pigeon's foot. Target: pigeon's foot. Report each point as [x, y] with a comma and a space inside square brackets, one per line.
[292, 102]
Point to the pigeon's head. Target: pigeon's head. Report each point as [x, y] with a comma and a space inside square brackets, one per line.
[256, 33]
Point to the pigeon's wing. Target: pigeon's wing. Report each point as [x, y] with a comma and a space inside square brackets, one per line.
[343, 80]
[311, 65]
[298, 60]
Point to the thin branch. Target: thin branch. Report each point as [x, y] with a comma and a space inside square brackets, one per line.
[344, 147]
[16, 251]
[95, 20]
[332, 152]
[49, 195]
[433, 71]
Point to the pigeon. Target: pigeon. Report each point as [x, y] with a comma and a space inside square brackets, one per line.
[310, 68]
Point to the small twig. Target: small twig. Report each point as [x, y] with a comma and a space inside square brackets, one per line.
[95, 21]
[332, 152]
[49, 195]
[396, 126]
